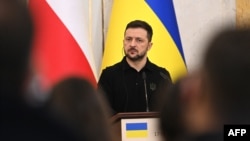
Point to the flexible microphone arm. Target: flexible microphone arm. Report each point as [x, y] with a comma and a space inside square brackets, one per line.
[145, 89]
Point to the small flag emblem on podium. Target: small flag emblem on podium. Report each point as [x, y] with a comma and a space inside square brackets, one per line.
[136, 130]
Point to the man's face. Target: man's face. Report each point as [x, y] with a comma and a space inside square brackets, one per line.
[136, 43]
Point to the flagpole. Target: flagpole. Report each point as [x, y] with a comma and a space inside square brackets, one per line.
[103, 31]
[90, 22]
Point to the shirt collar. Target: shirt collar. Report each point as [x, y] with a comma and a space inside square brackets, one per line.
[148, 66]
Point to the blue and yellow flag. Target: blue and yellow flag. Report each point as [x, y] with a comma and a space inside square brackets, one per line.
[136, 130]
[167, 49]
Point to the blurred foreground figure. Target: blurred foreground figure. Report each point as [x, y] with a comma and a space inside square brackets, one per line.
[18, 120]
[76, 102]
[199, 105]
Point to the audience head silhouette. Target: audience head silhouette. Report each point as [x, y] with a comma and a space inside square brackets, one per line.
[216, 94]
[226, 68]
[16, 32]
[76, 102]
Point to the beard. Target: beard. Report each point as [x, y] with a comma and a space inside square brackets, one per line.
[137, 57]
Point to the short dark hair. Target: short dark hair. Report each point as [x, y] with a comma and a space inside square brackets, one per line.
[141, 24]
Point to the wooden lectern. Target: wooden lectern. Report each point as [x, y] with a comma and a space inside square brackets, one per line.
[136, 126]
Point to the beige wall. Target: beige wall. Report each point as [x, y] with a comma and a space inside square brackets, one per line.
[243, 14]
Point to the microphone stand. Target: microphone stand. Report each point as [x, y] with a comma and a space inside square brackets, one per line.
[145, 89]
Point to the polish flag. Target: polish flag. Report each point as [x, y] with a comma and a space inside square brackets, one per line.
[61, 41]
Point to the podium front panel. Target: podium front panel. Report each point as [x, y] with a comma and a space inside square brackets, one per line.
[140, 129]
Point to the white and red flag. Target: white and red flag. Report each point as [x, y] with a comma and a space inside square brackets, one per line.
[62, 41]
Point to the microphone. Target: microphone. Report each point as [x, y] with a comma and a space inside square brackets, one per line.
[145, 89]
[166, 77]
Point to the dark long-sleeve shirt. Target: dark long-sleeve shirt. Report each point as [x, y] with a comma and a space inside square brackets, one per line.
[124, 86]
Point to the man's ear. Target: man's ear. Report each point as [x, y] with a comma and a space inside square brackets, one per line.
[150, 44]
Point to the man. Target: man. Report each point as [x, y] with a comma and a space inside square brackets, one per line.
[131, 85]
[199, 105]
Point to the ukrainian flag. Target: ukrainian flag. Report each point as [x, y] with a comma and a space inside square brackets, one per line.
[167, 48]
[136, 130]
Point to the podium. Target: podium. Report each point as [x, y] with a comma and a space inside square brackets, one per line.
[136, 126]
